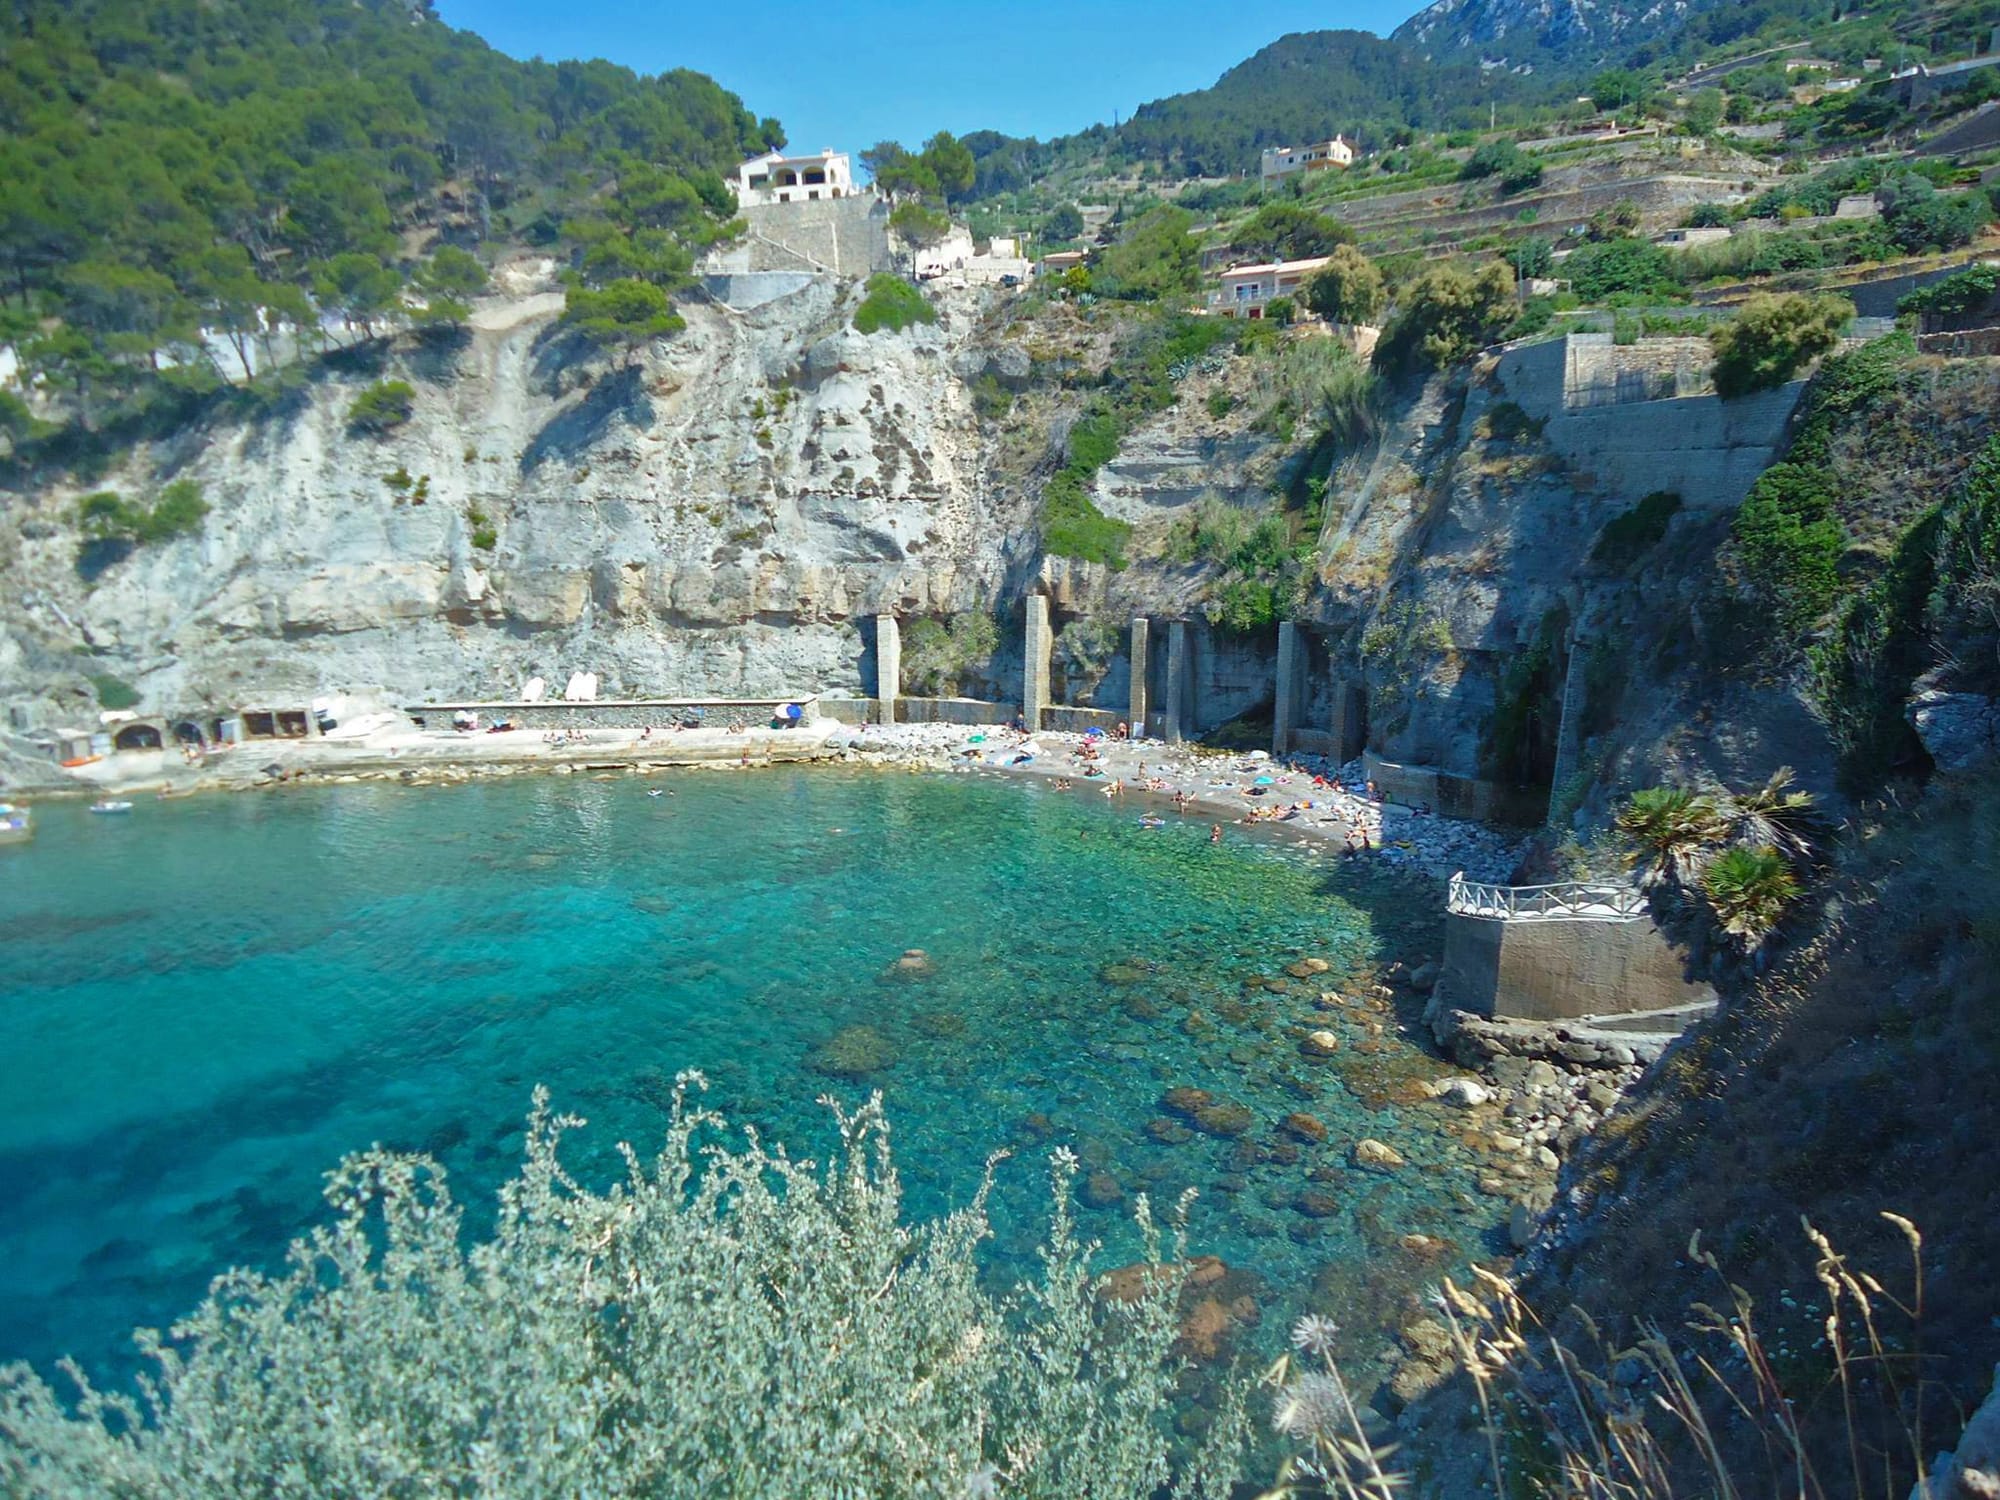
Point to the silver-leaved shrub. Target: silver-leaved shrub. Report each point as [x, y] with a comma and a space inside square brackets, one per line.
[726, 1322]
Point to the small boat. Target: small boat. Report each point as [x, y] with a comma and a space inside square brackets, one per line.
[17, 824]
[110, 805]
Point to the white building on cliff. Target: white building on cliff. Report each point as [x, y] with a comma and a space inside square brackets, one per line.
[777, 178]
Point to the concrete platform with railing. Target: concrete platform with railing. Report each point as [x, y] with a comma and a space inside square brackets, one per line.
[1560, 952]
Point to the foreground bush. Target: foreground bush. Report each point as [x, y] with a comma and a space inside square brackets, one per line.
[725, 1322]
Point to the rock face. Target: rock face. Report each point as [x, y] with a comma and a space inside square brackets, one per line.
[712, 517]
[1960, 731]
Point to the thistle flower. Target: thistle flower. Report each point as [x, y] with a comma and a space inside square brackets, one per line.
[1311, 1404]
[1313, 1334]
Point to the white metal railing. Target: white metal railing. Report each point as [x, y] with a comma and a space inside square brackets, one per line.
[1571, 898]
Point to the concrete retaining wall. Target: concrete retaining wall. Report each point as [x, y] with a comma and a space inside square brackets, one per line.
[1562, 969]
[752, 289]
[1077, 720]
[1453, 796]
[1706, 450]
[955, 711]
[921, 711]
[845, 236]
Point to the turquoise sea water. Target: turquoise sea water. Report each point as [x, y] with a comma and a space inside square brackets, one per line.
[208, 1002]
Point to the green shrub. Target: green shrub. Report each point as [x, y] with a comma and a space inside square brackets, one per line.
[382, 407]
[1289, 231]
[1843, 389]
[106, 514]
[1621, 267]
[178, 510]
[1772, 338]
[1956, 295]
[1220, 403]
[627, 310]
[891, 303]
[1347, 289]
[1628, 537]
[1749, 889]
[1789, 543]
[114, 693]
[1671, 830]
[918, 224]
[1445, 313]
[1936, 601]
[1247, 605]
[1093, 441]
[1507, 423]
[1155, 257]
[939, 657]
[727, 1320]
[1073, 526]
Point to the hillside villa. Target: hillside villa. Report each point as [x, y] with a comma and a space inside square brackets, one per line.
[777, 178]
[1282, 161]
[1247, 290]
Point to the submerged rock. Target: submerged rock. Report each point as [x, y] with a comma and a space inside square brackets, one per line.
[1373, 1154]
[1184, 1101]
[1304, 1127]
[1101, 1190]
[1316, 1205]
[853, 1052]
[1169, 1132]
[1320, 1043]
[1224, 1117]
[914, 964]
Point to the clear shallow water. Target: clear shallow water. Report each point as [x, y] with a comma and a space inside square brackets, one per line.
[207, 1003]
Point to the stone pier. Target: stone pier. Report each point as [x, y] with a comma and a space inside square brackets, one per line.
[1178, 720]
[1035, 661]
[888, 667]
[1137, 716]
[1291, 677]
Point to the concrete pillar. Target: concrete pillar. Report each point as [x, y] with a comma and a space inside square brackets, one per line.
[1349, 718]
[1569, 734]
[1285, 711]
[1035, 661]
[888, 667]
[1137, 716]
[1178, 721]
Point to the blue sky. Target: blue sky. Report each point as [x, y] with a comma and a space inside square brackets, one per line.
[849, 74]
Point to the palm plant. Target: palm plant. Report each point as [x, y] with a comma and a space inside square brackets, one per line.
[1672, 830]
[1748, 888]
[1777, 817]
